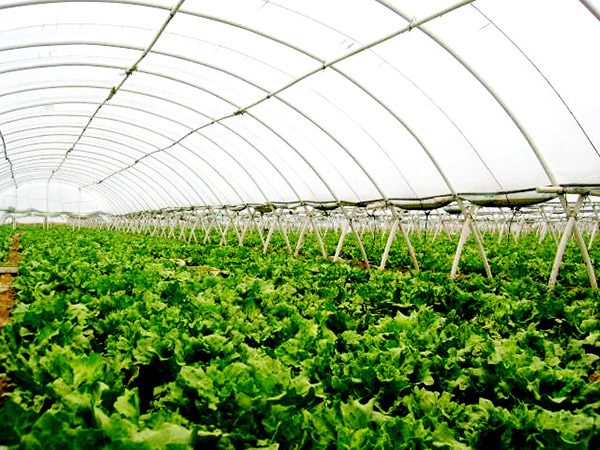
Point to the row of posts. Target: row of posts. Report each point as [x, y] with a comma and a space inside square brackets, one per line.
[201, 225]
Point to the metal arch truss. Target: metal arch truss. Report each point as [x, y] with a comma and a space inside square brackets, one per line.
[274, 94]
[321, 65]
[293, 224]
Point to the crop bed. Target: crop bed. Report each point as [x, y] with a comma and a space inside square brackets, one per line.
[131, 342]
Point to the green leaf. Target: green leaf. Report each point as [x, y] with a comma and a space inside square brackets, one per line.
[443, 437]
[87, 369]
[166, 434]
[128, 404]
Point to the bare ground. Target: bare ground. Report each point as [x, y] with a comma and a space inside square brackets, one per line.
[7, 296]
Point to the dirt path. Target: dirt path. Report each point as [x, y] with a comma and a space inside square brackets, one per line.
[7, 294]
[7, 298]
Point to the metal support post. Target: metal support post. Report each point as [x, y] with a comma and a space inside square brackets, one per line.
[305, 224]
[388, 244]
[571, 224]
[283, 232]
[411, 250]
[470, 226]
[269, 235]
[593, 234]
[193, 231]
[318, 236]
[479, 241]
[459, 248]
[338, 249]
[360, 242]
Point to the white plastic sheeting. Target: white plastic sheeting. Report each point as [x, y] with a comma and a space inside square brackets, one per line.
[154, 104]
[52, 198]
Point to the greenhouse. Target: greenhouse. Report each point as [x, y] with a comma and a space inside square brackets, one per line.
[291, 224]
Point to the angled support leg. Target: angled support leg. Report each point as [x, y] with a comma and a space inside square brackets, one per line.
[595, 227]
[237, 228]
[283, 231]
[569, 228]
[593, 235]
[223, 232]
[172, 224]
[436, 231]
[259, 227]
[305, 224]
[182, 226]
[388, 244]
[586, 257]
[482, 254]
[269, 235]
[208, 227]
[543, 230]
[340, 244]
[247, 222]
[411, 250]
[466, 230]
[317, 235]
[193, 231]
[360, 243]
[470, 226]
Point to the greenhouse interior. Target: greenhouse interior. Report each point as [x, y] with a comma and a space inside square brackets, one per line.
[299, 224]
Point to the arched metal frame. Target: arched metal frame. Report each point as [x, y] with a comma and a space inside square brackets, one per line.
[221, 173]
[74, 179]
[97, 162]
[107, 145]
[237, 76]
[213, 190]
[412, 25]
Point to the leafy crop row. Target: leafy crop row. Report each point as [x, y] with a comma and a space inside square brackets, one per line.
[525, 259]
[5, 234]
[115, 344]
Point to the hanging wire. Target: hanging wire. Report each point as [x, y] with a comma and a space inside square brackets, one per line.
[324, 65]
[12, 173]
[115, 89]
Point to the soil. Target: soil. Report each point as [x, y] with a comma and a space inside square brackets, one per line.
[7, 295]
[14, 254]
[4, 385]
[7, 300]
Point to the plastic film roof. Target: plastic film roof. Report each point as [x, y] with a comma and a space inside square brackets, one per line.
[149, 105]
